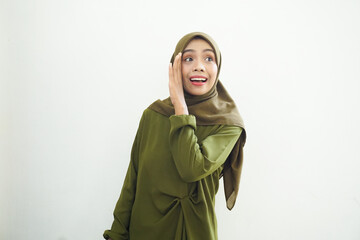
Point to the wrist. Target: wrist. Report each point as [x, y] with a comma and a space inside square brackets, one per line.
[181, 109]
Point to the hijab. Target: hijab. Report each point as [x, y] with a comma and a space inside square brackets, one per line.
[215, 107]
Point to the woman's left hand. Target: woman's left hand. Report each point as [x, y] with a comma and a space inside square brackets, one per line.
[176, 87]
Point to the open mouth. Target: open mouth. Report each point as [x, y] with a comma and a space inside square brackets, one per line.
[198, 79]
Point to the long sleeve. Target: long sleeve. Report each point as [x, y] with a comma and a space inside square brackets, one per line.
[194, 160]
[122, 212]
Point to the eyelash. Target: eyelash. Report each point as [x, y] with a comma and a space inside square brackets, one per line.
[186, 59]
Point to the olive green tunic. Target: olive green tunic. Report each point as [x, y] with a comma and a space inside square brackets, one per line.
[173, 176]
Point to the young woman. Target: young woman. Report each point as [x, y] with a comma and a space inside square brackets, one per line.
[183, 145]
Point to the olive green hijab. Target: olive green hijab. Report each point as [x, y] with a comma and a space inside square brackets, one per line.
[213, 108]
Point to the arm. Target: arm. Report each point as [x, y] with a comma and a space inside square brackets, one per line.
[194, 160]
[122, 212]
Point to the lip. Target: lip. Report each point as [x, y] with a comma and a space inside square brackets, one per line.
[198, 76]
[200, 83]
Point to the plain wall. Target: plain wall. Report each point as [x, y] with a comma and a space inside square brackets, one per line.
[77, 75]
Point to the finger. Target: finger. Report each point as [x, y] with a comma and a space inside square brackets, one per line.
[170, 70]
[175, 61]
[176, 68]
[179, 66]
[171, 74]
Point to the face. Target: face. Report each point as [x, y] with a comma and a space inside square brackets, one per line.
[198, 67]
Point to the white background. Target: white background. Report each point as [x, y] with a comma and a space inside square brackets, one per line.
[76, 76]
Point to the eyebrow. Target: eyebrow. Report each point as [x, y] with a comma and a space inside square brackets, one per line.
[192, 50]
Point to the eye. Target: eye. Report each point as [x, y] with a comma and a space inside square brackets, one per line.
[188, 59]
[209, 59]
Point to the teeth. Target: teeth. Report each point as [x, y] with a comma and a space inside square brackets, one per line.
[198, 79]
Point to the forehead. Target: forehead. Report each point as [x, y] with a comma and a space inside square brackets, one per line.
[198, 44]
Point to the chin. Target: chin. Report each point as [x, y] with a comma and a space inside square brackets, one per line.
[196, 93]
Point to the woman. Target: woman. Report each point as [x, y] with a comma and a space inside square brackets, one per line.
[183, 145]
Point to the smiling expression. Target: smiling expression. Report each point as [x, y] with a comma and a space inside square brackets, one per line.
[198, 67]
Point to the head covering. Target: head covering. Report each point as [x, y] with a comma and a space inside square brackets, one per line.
[212, 108]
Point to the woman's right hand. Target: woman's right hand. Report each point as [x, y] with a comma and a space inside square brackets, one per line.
[176, 88]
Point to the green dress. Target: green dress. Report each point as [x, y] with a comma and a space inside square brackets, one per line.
[173, 176]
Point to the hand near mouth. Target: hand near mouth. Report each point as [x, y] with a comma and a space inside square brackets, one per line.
[176, 87]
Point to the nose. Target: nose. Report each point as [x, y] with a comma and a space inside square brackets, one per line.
[199, 66]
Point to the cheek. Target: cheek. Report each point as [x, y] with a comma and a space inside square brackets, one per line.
[184, 70]
[213, 70]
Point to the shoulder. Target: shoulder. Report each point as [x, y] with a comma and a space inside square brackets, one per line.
[156, 102]
[148, 112]
[150, 115]
[150, 109]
